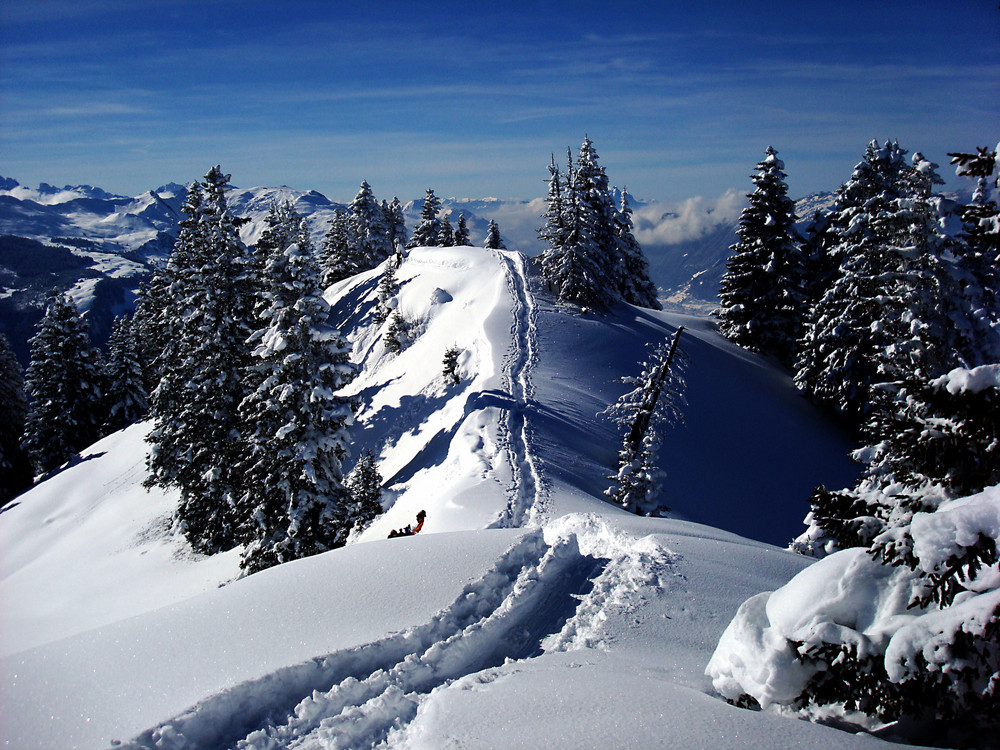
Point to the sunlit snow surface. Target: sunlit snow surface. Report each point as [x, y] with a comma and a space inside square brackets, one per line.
[527, 613]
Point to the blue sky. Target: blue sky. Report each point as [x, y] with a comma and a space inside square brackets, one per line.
[680, 98]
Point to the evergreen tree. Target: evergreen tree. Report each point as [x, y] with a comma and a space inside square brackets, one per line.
[15, 466]
[923, 511]
[446, 234]
[364, 484]
[296, 425]
[281, 227]
[397, 335]
[388, 288]
[638, 288]
[596, 213]
[571, 267]
[882, 319]
[761, 293]
[395, 224]
[979, 252]
[338, 260]
[450, 365]
[369, 230]
[819, 267]
[150, 323]
[428, 229]
[943, 444]
[554, 231]
[924, 445]
[592, 258]
[656, 400]
[64, 382]
[196, 441]
[127, 398]
[462, 232]
[493, 239]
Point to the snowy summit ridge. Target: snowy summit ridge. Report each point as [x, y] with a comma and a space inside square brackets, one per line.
[524, 585]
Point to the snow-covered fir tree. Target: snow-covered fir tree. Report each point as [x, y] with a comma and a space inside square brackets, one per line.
[395, 224]
[428, 229]
[462, 232]
[295, 423]
[150, 325]
[281, 229]
[915, 431]
[127, 399]
[446, 234]
[281, 226]
[570, 265]
[637, 287]
[387, 290]
[761, 293]
[370, 230]
[641, 413]
[884, 317]
[940, 441]
[493, 240]
[64, 383]
[597, 215]
[553, 231]
[910, 633]
[364, 485]
[15, 466]
[196, 442]
[592, 258]
[979, 252]
[338, 260]
[819, 264]
[450, 365]
[397, 334]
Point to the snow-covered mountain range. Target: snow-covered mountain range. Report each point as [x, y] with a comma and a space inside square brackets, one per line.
[100, 246]
[529, 612]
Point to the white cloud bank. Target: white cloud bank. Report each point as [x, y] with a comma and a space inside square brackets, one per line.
[670, 223]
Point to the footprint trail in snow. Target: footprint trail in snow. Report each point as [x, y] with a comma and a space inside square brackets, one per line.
[527, 495]
[551, 591]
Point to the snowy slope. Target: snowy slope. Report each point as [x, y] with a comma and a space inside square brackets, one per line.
[528, 612]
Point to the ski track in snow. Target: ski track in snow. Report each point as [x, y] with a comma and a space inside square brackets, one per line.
[552, 591]
[526, 505]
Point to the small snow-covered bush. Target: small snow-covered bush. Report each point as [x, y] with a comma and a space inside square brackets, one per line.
[888, 641]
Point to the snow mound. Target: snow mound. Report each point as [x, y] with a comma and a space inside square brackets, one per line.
[850, 600]
[91, 546]
[976, 380]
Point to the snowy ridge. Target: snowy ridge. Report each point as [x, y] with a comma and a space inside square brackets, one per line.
[527, 494]
[545, 635]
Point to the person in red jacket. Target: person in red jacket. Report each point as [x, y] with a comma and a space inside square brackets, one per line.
[420, 521]
[410, 531]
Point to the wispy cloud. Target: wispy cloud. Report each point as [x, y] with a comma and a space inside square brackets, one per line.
[95, 109]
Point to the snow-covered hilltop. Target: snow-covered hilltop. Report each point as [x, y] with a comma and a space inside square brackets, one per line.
[527, 612]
